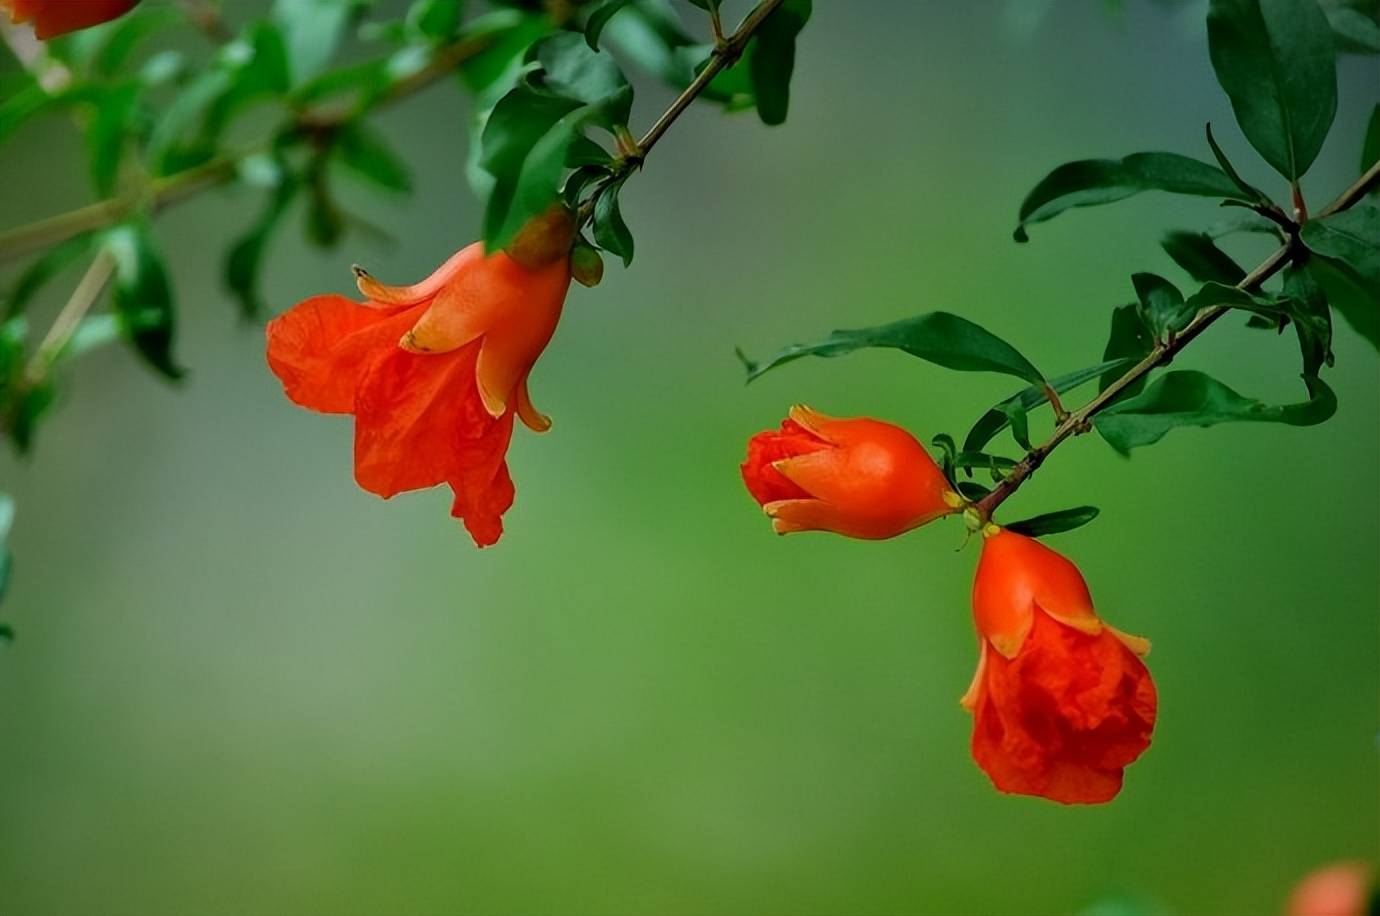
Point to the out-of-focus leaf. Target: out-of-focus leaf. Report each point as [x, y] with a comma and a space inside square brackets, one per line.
[771, 60]
[436, 20]
[22, 105]
[1353, 30]
[6, 558]
[312, 30]
[938, 337]
[1161, 303]
[367, 154]
[1351, 237]
[105, 134]
[256, 67]
[509, 34]
[143, 296]
[94, 332]
[610, 231]
[1054, 522]
[1276, 61]
[1186, 398]
[599, 17]
[1200, 257]
[175, 122]
[998, 417]
[650, 35]
[245, 258]
[49, 264]
[1131, 339]
[123, 35]
[1102, 181]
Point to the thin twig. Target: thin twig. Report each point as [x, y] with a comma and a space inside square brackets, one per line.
[1081, 419]
[67, 321]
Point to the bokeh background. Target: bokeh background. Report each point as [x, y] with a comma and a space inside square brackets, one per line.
[240, 684]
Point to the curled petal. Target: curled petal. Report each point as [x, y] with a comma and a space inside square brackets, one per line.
[418, 292]
[534, 419]
[763, 480]
[1015, 575]
[324, 346]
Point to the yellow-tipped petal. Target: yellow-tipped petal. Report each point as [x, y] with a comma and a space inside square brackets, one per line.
[1137, 644]
[534, 419]
[969, 699]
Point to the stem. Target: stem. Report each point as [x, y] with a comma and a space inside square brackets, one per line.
[724, 55]
[65, 325]
[163, 192]
[1080, 421]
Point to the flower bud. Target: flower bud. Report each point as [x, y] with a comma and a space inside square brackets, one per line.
[544, 238]
[586, 266]
[858, 477]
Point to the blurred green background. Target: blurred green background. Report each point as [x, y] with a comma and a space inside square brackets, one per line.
[242, 685]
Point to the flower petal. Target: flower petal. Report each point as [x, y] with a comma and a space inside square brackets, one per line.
[421, 292]
[322, 348]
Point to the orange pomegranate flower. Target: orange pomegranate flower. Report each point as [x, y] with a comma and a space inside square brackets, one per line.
[1339, 889]
[1061, 701]
[58, 17]
[435, 372]
[859, 477]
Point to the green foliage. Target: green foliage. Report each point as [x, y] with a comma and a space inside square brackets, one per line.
[1186, 398]
[1370, 149]
[939, 337]
[6, 557]
[771, 58]
[1201, 259]
[1161, 304]
[1351, 237]
[1102, 181]
[1131, 339]
[1276, 61]
[142, 296]
[610, 231]
[1054, 522]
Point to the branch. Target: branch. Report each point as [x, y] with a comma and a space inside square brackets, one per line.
[1081, 419]
[65, 325]
[725, 54]
[163, 192]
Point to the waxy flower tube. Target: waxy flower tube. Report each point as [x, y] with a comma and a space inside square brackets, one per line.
[52, 18]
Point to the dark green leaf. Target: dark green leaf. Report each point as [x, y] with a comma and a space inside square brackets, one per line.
[1131, 340]
[518, 123]
[366, 153]
[1185, 398]
[771, 58]
[143, 296]
[599, 17]
[509, 34]
[972, 490]
[998, 417]
[243, 262]
[1200, 257]
[939, 337]
[313, 30]
[610, 231]
[1250, 191]
[1348, 293]
[1370, 149]
[1351, 237]
[571, 69]
[1277, 62]
[1102, 181]
[537, 183]
[1054, 522]
[435, 19]
[948, 452]
[1310, 316]
[1161, 303]
[106, 131]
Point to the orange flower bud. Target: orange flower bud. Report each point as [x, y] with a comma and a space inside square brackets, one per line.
[58, 17]
[1339, 889]
[859, 477]
[1061, 702]
[434, 374]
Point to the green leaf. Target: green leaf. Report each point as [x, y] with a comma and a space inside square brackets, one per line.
[599, 17]
[1131, 340]
[366, 153]
[1186, 398]
[1090, 182]
[518, 122]
[6, 558]
[509, 34]
[610, 231]
[1370, 149]
[939, 337]
[245, 258]
[1348, 293]
[571, 69]
[1250, 191]
[998, 417]
[1161, 303]
[972, 491]
[518, 197]
[21, 106]
[1277, 62]
[143, 296]
[947, 453]
[1054, 522]
[1352, 29]
[771, 59]
[313, 29]
[1201, 259]
[436, 20]
[1351, 237]
[106, 132]
[1310, 316]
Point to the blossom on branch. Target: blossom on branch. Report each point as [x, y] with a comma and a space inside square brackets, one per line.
[52, 18]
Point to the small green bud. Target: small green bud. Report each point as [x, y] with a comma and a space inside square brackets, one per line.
[586, 266]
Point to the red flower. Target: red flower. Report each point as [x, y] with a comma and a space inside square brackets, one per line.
[1339, 889]
[860, 477]
[58, 17]
[434, 372]
[1061, 702]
